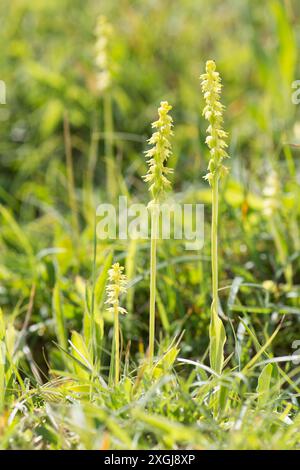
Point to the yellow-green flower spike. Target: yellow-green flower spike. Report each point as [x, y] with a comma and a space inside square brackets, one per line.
[116, 287]
[159, 153]
[213, 112]
[103, 34]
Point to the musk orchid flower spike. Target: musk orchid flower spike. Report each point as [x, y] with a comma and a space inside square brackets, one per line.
[103, 33]
[116, 287]
[159, 153]
[213, 112]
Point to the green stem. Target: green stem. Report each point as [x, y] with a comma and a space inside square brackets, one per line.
[217, 334]
[217, 339]
[111, 186]
[154, 235]
[94, 346]
[117, 346]
[214, 246]
[92, 162]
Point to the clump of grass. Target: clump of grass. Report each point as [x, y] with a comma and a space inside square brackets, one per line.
[116, 287]
[157, 174]
[216, 141]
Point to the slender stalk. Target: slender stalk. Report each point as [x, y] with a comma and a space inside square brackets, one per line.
[154, 236]
[214, 245]
[111, 182]
[93, 348]
[91, 166]
[159, 183]
[117, 343]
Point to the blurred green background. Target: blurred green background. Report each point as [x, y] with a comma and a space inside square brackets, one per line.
[159, 50]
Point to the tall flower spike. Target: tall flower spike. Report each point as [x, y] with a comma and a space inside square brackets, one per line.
[116, 287]
[159, 153]
[103, 34]
[213, 112]
[159, 183]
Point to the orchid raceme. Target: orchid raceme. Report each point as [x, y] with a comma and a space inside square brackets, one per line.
[116, 286]
[159, 183]
[213, 112]
[159, 153]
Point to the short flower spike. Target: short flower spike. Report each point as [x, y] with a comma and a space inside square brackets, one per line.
[116, 287]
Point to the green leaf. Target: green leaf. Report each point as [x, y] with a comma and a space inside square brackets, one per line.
[217, 340]
[264, 384]
[262, 350]
[80, 352]
[162, 312]
[131, 264]
[165, 364]
[19, 236]
[59, 317]
[101, 281]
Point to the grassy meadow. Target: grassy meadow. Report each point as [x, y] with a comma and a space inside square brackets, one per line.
[142, 343]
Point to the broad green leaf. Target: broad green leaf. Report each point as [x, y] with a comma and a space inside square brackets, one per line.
[264, 384]
[217, 338]
[165, 364]
[162, 312]
[80, 352]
